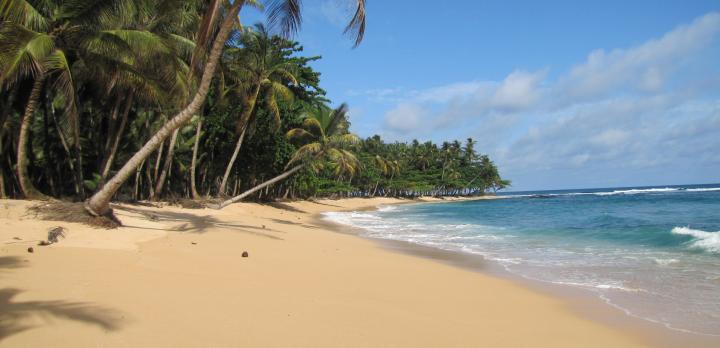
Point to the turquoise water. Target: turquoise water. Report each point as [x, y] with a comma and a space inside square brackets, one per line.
[651, 252]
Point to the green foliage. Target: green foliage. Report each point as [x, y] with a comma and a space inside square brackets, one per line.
[116, 70]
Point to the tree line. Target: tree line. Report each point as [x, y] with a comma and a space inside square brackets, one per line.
[174, 99]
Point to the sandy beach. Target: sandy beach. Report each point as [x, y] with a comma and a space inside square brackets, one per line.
[175, 277]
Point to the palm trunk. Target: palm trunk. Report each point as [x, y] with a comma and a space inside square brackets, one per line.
[49, 173]
[118, 136]
[166, 167]
[242, 126]
[99, 203]
[66, 147]
[136, 193]
[78, 156]
[258, 187]
[158, 159]
[223, 183]
[26, 185]
[193, 163]
[112, 124]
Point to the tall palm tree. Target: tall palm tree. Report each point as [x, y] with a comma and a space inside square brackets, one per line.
[262, 69]
[324, 137]
[283, 13]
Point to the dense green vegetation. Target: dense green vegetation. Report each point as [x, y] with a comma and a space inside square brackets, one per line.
[141, 99]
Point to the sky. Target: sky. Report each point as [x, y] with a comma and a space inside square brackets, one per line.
[560, 94]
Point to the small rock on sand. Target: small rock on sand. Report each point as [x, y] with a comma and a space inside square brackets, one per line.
[31, 250]
[245, 254]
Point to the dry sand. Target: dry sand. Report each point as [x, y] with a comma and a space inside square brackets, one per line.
[175, 277]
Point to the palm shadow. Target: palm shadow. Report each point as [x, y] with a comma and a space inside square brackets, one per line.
[327, 204]
[14, 315]
[286, 222]
[283, 206]
[194, 223]
[11, 262]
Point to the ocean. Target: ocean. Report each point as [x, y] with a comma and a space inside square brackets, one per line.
[652, 252]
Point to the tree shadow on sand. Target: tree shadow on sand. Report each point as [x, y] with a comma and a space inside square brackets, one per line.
[194, 223]
[283, 206]
[15, 315]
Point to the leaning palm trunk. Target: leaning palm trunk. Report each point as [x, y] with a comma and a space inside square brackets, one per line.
[223, 183]
[259, 187]
[166, 167]
[118, 136]
[99, 203]
[193, 163]
[26, 186]
[243, 123]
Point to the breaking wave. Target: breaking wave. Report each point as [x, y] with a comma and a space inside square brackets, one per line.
[707, 241]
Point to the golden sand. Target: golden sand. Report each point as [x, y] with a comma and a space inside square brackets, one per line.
[175, 277]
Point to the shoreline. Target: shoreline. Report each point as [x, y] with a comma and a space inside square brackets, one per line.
[583, 302]
[174, 276]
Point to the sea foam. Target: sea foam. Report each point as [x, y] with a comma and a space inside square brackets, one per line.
[708, 241]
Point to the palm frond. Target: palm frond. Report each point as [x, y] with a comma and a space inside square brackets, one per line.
[305, 152]
[23, 13]
[356, 27]
[57, 63]
[22, 52]
[313, 126]
[284, 16]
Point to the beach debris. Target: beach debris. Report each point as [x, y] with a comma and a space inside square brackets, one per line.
[31, 250]
[17, 238]
[55, 233]
[245, 254]
[193, 243]
[53, 236]
[153, 217]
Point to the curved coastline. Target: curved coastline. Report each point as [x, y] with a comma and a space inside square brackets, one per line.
[581, 302]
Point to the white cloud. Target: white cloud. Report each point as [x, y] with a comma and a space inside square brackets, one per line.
[644, 67]
[447, 93]
[406, 117]
[519, 90]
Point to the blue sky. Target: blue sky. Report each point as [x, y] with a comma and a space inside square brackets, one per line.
[561, 94]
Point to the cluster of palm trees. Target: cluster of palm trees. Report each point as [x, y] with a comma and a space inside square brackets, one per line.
[417, 169]
[167, 99]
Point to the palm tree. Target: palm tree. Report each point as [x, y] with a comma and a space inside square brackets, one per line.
[282, 13]
[262, 68]
[324, 138]
[158, 37]
[57, 40]
[99, 203]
